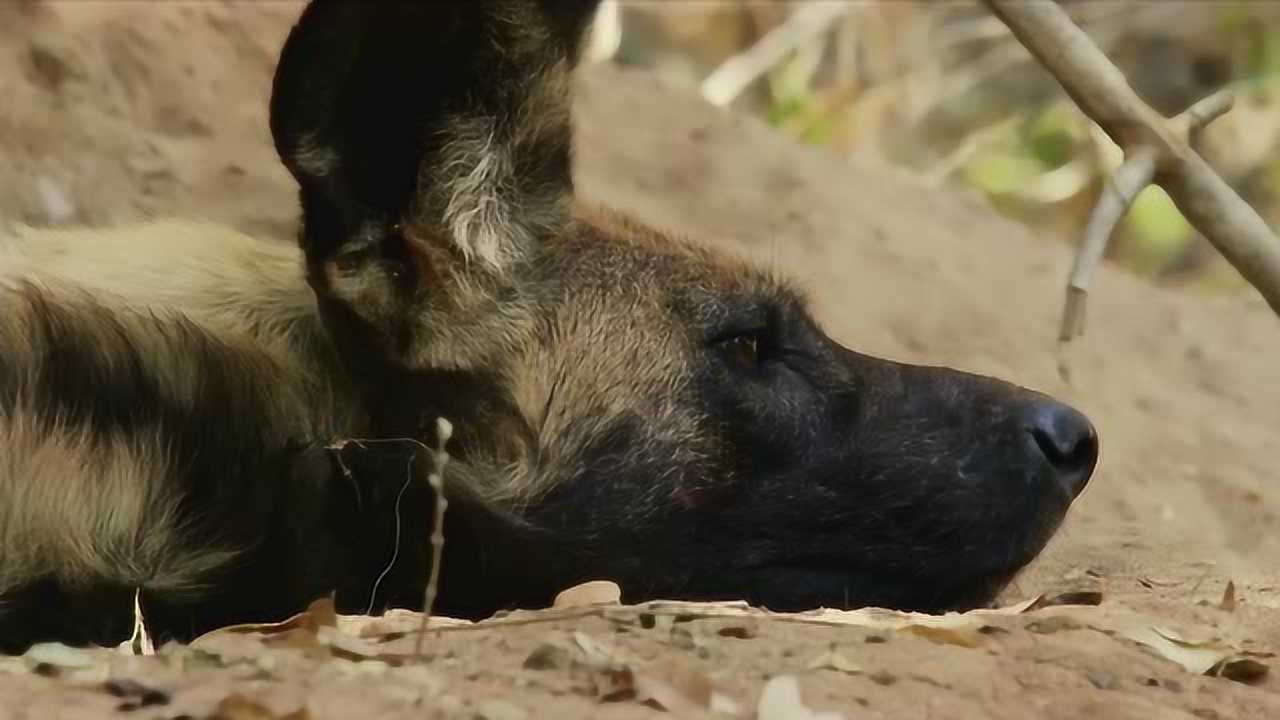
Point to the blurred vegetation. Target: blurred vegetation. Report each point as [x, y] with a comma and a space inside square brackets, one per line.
[940, 87]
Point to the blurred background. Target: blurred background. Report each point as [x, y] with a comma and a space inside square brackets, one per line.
[941, 88]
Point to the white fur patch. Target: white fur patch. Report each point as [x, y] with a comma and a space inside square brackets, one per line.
[479, 182]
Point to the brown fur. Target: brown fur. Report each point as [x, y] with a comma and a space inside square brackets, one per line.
[231, 426]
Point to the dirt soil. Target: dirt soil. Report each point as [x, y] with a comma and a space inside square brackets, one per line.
[114, 111]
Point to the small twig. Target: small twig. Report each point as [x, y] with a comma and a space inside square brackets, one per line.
[1117, 195]
[440, 457]
[1192, 122]
[1103, 93]
[732, 77]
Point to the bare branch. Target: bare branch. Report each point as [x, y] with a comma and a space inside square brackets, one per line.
[440, 458]
[1192, 122]
[1118, 194]
[812, 19]
[1102, 92]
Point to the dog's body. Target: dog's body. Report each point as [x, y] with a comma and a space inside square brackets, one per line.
[232, 427]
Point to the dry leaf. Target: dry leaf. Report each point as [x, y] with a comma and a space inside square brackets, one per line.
[833, 660]
[962, 637]
[357, 649]
[393, 624]
[239, 707]
[1241, 669]
[594, 592]
[1194, 657]
[57, 655]
[318, 614]
[1053, 624]
[1076, 597]
[1229, 597]
[880, 618]
[780, 700]
[1202, 658]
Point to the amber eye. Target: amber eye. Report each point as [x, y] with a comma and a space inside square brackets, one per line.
[744, 349]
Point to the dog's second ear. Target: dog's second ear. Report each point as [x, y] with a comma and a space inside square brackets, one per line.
[429, 139]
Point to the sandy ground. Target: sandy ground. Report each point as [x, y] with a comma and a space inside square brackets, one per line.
[114, 111]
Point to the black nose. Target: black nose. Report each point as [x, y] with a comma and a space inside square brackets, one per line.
[1067, 439]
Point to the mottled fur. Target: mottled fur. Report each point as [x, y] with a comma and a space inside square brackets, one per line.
[231, 425]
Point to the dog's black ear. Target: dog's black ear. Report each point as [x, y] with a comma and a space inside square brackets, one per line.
[429, 138]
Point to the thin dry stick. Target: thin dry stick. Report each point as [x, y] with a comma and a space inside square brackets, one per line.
[1102, 92]
[1126, 182]
[440, 457]
[812, 19]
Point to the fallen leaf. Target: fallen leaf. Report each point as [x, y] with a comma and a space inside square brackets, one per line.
[1076, 597]
[833, 660]
[780, 700]
[393, 624]
[239, 707]
[1229, 597]
[1241, 669]
[319, 613]
[1194, 657]
[1053, 624]
[57, 655]
[357, 649]
[594, 592]
[1151, 582]
[1203, 657]
[961, 637]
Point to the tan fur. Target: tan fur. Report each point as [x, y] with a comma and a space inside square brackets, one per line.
[82, 507]
[101, 505]
[247, 293]
[220, 277]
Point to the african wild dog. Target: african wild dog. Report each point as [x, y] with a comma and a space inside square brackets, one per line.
[173, 397]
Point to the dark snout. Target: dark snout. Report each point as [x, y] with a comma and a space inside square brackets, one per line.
[1000, 430]
[1063, 439]
[992, 468]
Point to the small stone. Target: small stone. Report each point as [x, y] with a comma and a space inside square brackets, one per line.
[1102, 680]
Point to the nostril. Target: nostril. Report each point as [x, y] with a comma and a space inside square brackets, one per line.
[1071, 455]
[1067, 440]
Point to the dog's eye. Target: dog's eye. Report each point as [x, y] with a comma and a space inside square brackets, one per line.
[743, 349]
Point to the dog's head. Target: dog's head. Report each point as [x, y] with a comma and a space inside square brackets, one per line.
[628, 405]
